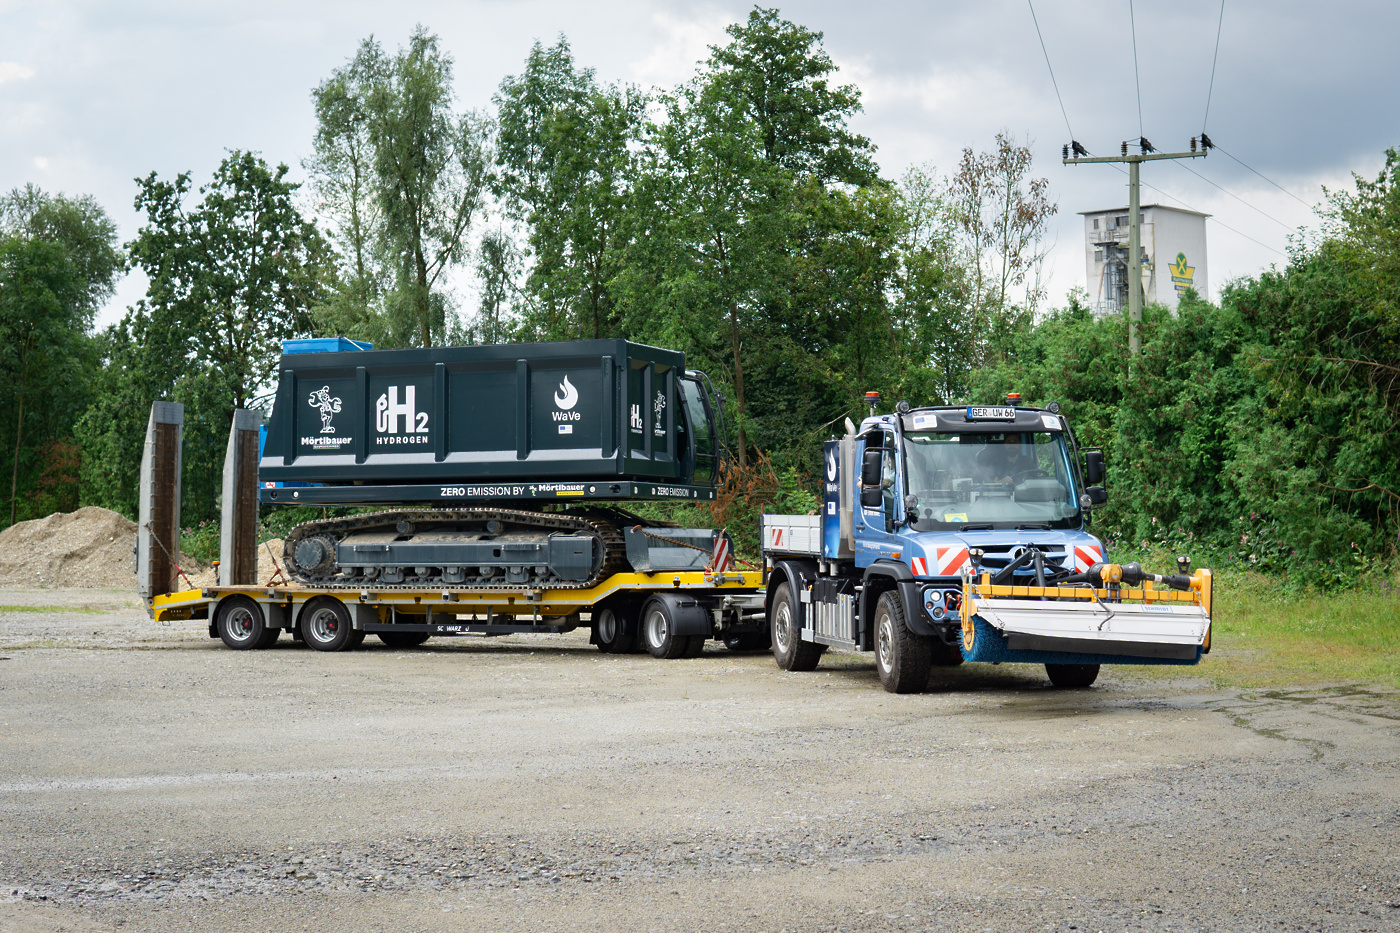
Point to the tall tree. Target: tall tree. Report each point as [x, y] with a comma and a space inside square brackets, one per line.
[564, 168]
[58, 263]
[1001, 215]
[406, 173]
[231, 275]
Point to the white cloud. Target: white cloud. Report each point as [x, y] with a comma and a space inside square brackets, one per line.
[684, 42]
[14, 71]
[41, 163]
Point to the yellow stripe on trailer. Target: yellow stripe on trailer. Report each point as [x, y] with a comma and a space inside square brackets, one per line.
[189, 604]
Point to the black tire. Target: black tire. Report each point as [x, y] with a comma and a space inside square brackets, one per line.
[240, 623]
[789, 650]
[696, 646]
[325, 625]
[1072, 676]
[749, 641]
[615, 628]
[902, 659]
[403, 639]
[270, 636]
[658, 631]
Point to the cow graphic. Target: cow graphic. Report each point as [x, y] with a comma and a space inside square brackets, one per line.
[322, 400]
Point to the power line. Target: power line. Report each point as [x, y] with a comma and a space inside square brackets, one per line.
[1269, 180]
[1236, 197]
[1053, 82]
[1136, 75]
[1211, 219]
[1213, 60]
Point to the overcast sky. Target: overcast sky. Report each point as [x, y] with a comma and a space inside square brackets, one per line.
[95, 94]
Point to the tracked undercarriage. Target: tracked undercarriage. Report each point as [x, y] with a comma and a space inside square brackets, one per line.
[457, 548]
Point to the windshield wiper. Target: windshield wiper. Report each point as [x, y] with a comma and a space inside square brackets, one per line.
[1033, 526]
[975, 528]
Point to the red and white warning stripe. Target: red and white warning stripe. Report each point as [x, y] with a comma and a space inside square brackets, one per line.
[775, 536]
[949, 561]
[917, 565]
[1086, 555]
[721, 560]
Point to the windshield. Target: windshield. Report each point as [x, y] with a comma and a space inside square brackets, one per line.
[991, 480]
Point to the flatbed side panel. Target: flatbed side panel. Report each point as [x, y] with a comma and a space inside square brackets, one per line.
[792, 534]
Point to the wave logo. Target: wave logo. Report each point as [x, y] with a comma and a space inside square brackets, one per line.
[567, 396]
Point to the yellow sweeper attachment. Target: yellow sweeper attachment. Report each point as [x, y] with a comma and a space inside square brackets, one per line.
[1110, 614]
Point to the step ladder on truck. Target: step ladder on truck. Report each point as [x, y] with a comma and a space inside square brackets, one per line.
[479, 491]
[952, 534]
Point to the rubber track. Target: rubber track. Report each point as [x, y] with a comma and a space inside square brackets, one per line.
[614, 548]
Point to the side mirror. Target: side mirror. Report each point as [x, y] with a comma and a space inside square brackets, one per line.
[872, 467]
[1096, 495]
[1093, 467]
[872, 494]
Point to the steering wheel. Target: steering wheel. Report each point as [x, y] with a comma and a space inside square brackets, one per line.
[1021, 475]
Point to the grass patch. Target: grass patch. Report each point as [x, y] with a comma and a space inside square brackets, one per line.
[54, 609]
[1266, 633]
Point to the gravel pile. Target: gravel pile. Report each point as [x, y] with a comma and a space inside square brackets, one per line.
[92, 548]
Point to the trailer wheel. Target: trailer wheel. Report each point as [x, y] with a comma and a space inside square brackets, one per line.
[403, 639]
[325, 625]
[789, 650]
[1072, 676]
[615, 629]
[240, 623]
[902, 658]
[659, 631]
[270, 636]
[695, 647]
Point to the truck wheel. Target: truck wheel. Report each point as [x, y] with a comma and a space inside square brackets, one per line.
[789, 650]
[696, 647]
[325, 625]
[901, 658]
[1072, 676]
[270, 636]
[403, 639]
[659, 631]
[615, 630]
[240, 623]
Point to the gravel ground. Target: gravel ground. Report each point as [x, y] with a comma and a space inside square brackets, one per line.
[150, 779]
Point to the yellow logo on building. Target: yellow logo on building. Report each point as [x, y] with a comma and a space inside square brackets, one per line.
[1183, 275]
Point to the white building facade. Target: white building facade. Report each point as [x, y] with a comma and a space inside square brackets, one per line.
[1172, 259]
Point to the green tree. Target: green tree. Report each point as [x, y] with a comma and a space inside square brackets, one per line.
[231, 276]
[403, 176]
[58, 264]
[564, 163]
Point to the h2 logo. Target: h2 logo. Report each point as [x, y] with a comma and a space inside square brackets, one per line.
[388, 410]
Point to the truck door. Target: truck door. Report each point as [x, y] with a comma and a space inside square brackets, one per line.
[875, 526]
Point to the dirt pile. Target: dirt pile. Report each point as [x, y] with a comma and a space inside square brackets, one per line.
[92, 548]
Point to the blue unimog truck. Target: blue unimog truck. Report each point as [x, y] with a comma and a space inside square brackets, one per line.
[954, 534]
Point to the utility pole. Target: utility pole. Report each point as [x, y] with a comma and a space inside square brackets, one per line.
[1074, 154]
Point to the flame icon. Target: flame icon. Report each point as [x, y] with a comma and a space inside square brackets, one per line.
[831, 466]
[567, 396]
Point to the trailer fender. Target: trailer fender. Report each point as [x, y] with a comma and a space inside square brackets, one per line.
[889, 575]
[688, 614]
[797, 574]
